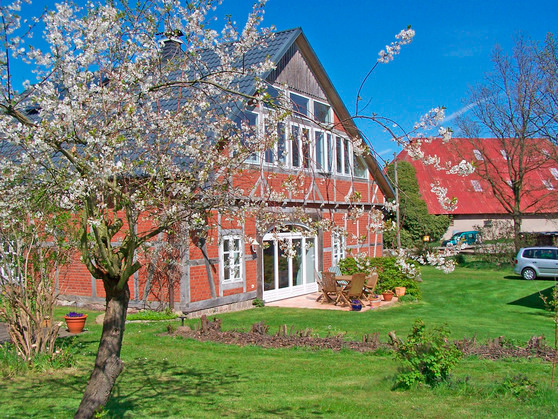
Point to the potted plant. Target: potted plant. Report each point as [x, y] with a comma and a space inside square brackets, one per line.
[387, 295]
[356, 305]
[75, 321]
[375, 301]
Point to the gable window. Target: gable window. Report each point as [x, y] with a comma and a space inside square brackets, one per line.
[338, 245]
[476, 185]
[548, 185]
[232, 253]
[300, 104]
[554, 172]
[504, 154]
[478, 154]
[360, 167]
[321, 113]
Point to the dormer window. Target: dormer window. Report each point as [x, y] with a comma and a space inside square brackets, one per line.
[476, 185]
[478, 154]
[548, 185]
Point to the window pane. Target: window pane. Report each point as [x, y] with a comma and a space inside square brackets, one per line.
[281, 144]
[295, 144]
[306, 147]
[269, 155]
[300, 104]
[347, 169]
[247, 122]
[273, 95]
[360, 167]
[321, 112]
[339, 150]
[320, 151]
[330, 152]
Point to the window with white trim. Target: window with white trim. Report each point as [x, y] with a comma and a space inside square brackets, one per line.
[322, 112]
[338, 245]
[300, 104]
[232, 255]
[554, 172]
[504, 154]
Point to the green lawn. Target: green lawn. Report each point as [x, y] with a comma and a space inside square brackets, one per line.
[175, 377]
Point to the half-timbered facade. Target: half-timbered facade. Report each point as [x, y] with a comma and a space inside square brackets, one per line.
[243, 259]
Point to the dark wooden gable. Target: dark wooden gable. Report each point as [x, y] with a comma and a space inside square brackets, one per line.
[294, 71]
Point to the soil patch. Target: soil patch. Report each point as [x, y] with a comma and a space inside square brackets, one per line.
[288, 338]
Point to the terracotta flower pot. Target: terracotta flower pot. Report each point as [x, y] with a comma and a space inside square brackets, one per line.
[75, 324]
[375, 303]
[400, 291]
[387, 296]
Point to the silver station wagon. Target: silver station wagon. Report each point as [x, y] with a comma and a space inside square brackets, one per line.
[533, 262]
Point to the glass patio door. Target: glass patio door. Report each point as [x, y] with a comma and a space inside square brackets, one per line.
[289, 265]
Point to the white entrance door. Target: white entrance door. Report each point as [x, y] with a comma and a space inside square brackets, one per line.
[290, 264]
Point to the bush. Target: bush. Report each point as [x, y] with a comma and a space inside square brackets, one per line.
[389, 274]
[427, 356]
[167, 314]
[12, 364]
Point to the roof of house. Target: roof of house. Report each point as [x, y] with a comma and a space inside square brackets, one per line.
[474, 193]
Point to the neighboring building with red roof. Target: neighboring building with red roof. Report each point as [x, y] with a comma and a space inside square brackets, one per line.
[487, 194]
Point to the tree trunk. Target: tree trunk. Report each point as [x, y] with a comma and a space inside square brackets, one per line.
[108, 364]
[517, 231]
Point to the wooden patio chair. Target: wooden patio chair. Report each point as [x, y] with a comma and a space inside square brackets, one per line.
[353, 291]
[370, 284]
[330, 289]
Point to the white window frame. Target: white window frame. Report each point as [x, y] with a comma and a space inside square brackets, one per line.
[338, 247]
[231, 238]
[554, 172]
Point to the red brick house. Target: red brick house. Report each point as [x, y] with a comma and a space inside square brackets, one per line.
[484, 196]
[227, 270]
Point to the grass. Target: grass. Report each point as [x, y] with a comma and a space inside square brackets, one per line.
[175, 377]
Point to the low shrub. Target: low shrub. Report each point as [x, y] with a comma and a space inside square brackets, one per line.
[427, 356]
[390, 275]
[12, 365]
[166, 314]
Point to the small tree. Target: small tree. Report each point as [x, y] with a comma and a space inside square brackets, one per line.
[416, 221]
[512, 106]
[31, 254]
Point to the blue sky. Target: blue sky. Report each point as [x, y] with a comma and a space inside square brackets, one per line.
[450, 53]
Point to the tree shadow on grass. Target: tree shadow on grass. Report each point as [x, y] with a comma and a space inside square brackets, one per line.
[159, 388]
[534, 300]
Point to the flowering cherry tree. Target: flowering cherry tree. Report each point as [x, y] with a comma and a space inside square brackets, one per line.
[134, 140]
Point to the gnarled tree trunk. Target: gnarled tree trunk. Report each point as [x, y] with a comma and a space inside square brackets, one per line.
[108, 364]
